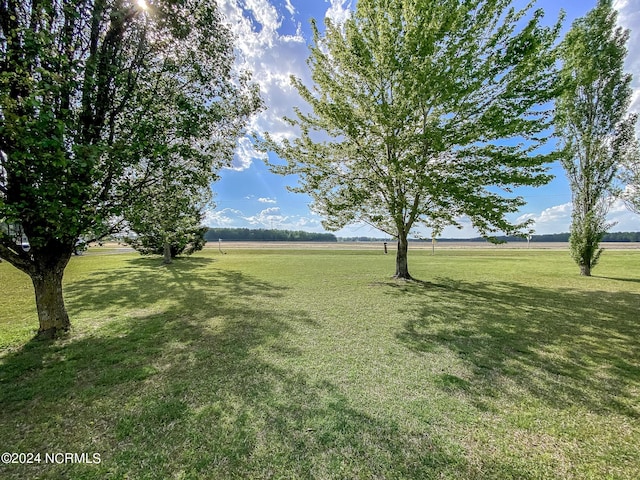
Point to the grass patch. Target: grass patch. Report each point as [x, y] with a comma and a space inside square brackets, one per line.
[314, 364]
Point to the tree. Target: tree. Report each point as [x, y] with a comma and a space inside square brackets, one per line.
[630, 170]
[591, 123]
[423, 112]
[168, 220]
[188, 240]
[95, 97]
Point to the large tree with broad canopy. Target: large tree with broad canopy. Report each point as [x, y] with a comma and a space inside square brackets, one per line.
[424, 112]
[96, 97]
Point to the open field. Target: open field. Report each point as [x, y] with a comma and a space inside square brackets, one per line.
[312, 363]
[448, 245]
[113, 247]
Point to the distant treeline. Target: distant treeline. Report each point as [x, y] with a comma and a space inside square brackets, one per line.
[553, 237]
[564, 237]
[263, 235]
[273, 235]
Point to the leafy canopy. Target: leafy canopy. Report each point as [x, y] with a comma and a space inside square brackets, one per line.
[170, 213]
[630, 175]
[98, 95]
[592, 123]
[422, 112]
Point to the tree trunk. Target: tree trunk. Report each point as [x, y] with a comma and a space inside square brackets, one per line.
[167, 253]
[52, 313]
[402, 266]
[585, 269]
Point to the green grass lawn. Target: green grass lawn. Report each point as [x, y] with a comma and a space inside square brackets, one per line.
[315, 364]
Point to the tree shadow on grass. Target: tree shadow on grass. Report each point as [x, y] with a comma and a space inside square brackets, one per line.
[631, 280]
[143, 282]
[194, 390]
[564, 347]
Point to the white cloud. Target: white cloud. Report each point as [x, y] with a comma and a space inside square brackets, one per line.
[467, 230]
[272, 58]
[554, 219]
[339, 11]
[629, 17]
[270, 218]
[245, 154]
[273, 218]
[221, 218]
[557, 219]
[308, 224]
[267, 200]
[624, 219]
[290, 8]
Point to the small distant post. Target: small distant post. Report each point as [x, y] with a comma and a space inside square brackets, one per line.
[529, 236]
[385, 248]
[435, 233]
[220, 245]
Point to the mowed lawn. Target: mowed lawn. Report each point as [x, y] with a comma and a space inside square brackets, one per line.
[500, 363]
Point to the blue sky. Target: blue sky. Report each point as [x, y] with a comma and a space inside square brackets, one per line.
[272, 38]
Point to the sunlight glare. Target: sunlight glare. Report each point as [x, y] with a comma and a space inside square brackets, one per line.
[143, 5]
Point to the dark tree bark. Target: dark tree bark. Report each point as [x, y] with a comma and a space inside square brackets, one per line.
[402, 265]
[47, 282]
[167, 253]
[45, 267]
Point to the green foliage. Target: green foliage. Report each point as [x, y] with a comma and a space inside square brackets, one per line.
[166, 220]
[184, 242]
[629, 169]
[96, 97]
[423, 112]
[586, 234]
[590, 120]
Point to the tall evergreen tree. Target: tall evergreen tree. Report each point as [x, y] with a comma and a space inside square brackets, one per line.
[592, 124]
[424, 112]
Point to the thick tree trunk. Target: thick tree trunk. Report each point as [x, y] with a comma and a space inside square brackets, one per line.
[52, 313]
[167, 253]
[402, 266]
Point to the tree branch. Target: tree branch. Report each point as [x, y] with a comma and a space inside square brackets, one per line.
[17, 259]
